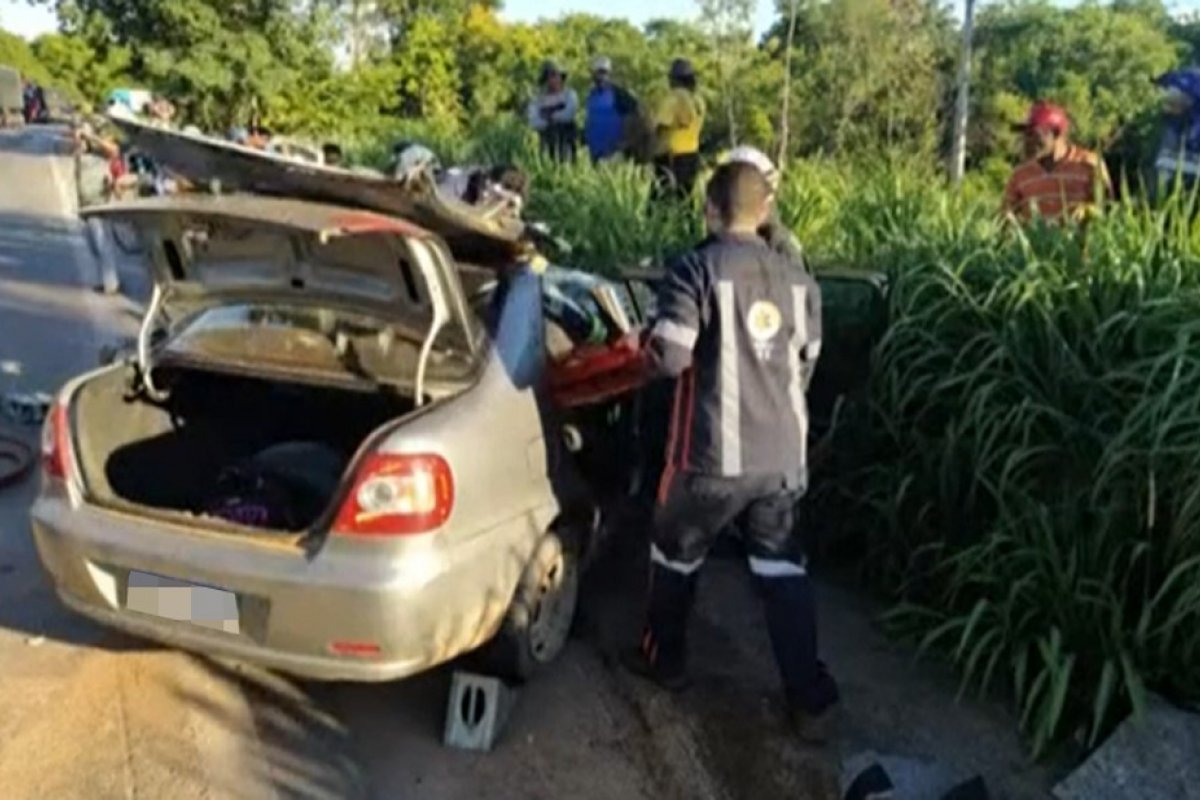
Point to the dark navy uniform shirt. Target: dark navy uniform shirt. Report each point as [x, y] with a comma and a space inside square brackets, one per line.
[740, 324]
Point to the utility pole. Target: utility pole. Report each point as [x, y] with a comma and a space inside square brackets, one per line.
[958, 151]
[785, 115]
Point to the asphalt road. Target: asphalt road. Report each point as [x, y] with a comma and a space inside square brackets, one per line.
[87, 713]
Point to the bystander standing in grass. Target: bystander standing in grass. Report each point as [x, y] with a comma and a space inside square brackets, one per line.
[1060, 181]
[552, 113]
[611, 114]
[678, 121]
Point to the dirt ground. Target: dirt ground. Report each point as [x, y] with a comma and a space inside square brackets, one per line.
[891, 703]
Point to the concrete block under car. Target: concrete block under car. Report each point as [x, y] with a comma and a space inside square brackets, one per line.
[478, 711]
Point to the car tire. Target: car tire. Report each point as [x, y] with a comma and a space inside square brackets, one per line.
[539, 619]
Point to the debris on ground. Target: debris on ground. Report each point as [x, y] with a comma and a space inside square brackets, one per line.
[26, 409]
[1152, 758]
[869, 775]
[16, 460]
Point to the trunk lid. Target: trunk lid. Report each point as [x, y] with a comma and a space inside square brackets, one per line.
[206, 251]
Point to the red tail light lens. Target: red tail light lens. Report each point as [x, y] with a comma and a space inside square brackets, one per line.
[54, 443]
[398, 495]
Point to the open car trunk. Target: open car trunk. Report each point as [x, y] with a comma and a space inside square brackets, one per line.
[257, 452]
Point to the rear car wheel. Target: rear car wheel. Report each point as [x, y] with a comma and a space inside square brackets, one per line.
[538, 622]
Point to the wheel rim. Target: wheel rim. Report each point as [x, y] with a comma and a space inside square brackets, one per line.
[553, 605]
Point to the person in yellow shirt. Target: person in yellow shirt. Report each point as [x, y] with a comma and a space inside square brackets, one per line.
[677, 123]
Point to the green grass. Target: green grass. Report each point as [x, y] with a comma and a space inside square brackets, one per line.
[1023, 480]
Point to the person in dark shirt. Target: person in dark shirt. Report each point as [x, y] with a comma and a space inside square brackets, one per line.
[773, 231]
[740, 328]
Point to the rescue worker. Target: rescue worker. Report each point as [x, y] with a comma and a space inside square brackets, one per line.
[552, 113]
[773, 231]
[1060, 181]
[678, 121]
[611, 113]
[740, 326]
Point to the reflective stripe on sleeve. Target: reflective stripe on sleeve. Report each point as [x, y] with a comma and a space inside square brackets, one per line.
[676, 334]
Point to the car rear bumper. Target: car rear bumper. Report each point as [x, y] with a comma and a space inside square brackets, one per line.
[185, 636]
[338, 615]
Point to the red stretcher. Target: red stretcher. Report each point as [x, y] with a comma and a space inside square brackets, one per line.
[596, 373]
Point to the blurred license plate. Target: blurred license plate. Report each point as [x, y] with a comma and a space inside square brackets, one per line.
[188, 602]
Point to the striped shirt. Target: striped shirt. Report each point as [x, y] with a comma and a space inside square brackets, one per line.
[1062, 192]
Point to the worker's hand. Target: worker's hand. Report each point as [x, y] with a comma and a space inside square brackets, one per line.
[632, 341]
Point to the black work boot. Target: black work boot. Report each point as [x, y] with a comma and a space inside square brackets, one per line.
[662, 654]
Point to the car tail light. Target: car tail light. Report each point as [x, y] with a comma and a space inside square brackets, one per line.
[54, 443]
[397, 495]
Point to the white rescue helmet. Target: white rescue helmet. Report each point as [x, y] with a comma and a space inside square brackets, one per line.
[756, 158]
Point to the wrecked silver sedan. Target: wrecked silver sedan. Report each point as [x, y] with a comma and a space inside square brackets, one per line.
[329, 455]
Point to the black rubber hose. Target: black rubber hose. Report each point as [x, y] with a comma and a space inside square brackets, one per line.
[16, 459]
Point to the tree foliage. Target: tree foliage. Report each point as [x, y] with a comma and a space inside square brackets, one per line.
[865, 75]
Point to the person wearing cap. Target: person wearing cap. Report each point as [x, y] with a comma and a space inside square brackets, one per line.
[610, 111]
[677, 123]
[773, 231]
[552, 113]
[1060, 181]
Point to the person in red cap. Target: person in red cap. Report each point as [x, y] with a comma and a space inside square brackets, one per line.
[1060, 180]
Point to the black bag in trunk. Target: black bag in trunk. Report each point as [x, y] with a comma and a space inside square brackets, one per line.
[284, 487]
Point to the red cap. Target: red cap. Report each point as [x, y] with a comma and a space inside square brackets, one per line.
[1047, 115]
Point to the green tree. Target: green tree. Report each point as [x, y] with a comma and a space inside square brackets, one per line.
[428, 72]
[221, 60]
[1098, 62]
[15, 52]
[729, 25]
[74, 66]
[866, 73]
